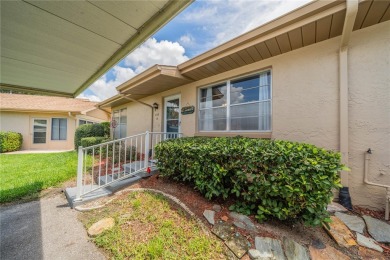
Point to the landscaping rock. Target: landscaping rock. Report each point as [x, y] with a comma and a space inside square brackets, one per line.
[293, 250]
[368, 254]
[368, 242]
[209, 215]
[269, 247]
[101, 226]
[340, 233]
[336, 207]
[328, 253]
[223, 230]
[217, 208]
[237, 244]
[354, 223]
[317, 243]
[224, 218]
[246, 222]
[379, 230]
[254, 254]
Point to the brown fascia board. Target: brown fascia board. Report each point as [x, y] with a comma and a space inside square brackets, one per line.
[248, 39]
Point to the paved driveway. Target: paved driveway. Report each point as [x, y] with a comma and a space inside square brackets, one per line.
[44, 229]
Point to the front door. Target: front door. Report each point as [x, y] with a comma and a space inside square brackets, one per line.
[172, 115]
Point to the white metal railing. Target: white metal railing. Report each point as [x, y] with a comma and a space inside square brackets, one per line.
[103, 164]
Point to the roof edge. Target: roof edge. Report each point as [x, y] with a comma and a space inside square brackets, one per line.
[35, 90]
[300, 13]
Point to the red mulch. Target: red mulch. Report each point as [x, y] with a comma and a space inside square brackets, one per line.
[197, 204]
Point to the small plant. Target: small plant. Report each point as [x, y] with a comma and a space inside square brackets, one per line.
[10, 141]
[270, 178]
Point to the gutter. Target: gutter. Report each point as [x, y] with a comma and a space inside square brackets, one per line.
[351, 12]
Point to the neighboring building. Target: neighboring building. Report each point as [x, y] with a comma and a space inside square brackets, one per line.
[46, 122]
[311, 76]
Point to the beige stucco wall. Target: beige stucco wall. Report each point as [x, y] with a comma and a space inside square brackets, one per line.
[305, 103]
[22, 122]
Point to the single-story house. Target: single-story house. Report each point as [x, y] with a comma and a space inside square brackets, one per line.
[319, 74]
[46, 122]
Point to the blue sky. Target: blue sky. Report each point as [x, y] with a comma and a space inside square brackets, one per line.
[200, 27]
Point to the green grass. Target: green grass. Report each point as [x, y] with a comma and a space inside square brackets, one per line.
[25, 175]
[146, 227]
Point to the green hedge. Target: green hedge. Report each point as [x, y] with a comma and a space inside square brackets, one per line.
[281, 179]
[10, 141]
[93, 130]
[89, 141]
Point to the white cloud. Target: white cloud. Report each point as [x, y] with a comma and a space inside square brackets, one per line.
[148, 54]
[221, 21]
[153, 52]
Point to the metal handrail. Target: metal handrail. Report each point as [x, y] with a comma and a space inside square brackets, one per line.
[116, 160]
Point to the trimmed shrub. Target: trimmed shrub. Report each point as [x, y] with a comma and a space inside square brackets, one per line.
[271, 178]
[93, 130]
[107, 128]
[89, 141]
[10, 141]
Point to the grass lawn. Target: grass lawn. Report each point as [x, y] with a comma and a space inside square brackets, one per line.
[146, 227]
[24, 175]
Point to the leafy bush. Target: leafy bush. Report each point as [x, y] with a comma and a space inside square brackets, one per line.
[93, 130]
[106, 127]
[10, 141]
[275, 178]
[89, 141]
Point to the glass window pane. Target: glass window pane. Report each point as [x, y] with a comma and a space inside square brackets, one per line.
[123, 116]
[213, 96]
[63, 128]
[173, 125]
[244, 90]
[212, 119]
[122, 130]
[82, 122]
[265, 116]
[39, 134]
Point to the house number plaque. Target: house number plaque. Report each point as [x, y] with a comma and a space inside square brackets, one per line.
[187, 110]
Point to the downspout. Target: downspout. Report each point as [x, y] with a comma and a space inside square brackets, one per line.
[367, 157]
[350, 16]
[143, 103]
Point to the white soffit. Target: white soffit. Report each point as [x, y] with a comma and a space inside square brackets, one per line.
[61, 47]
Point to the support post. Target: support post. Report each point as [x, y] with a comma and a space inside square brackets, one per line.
[146, 159]
[80, 164]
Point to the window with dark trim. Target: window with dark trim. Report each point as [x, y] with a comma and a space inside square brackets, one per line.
[59, 128]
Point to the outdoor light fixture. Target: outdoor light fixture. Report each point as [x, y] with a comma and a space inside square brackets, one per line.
[155, 106]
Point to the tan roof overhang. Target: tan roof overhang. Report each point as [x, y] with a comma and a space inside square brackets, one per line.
[62, 47]
[154, 80]
[310, 24]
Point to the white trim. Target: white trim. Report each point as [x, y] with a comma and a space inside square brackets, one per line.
[32, 122]
[178, 96]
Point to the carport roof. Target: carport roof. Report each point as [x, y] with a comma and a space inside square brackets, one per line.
[61, 47]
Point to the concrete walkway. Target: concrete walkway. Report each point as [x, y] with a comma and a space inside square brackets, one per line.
[44, 229]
